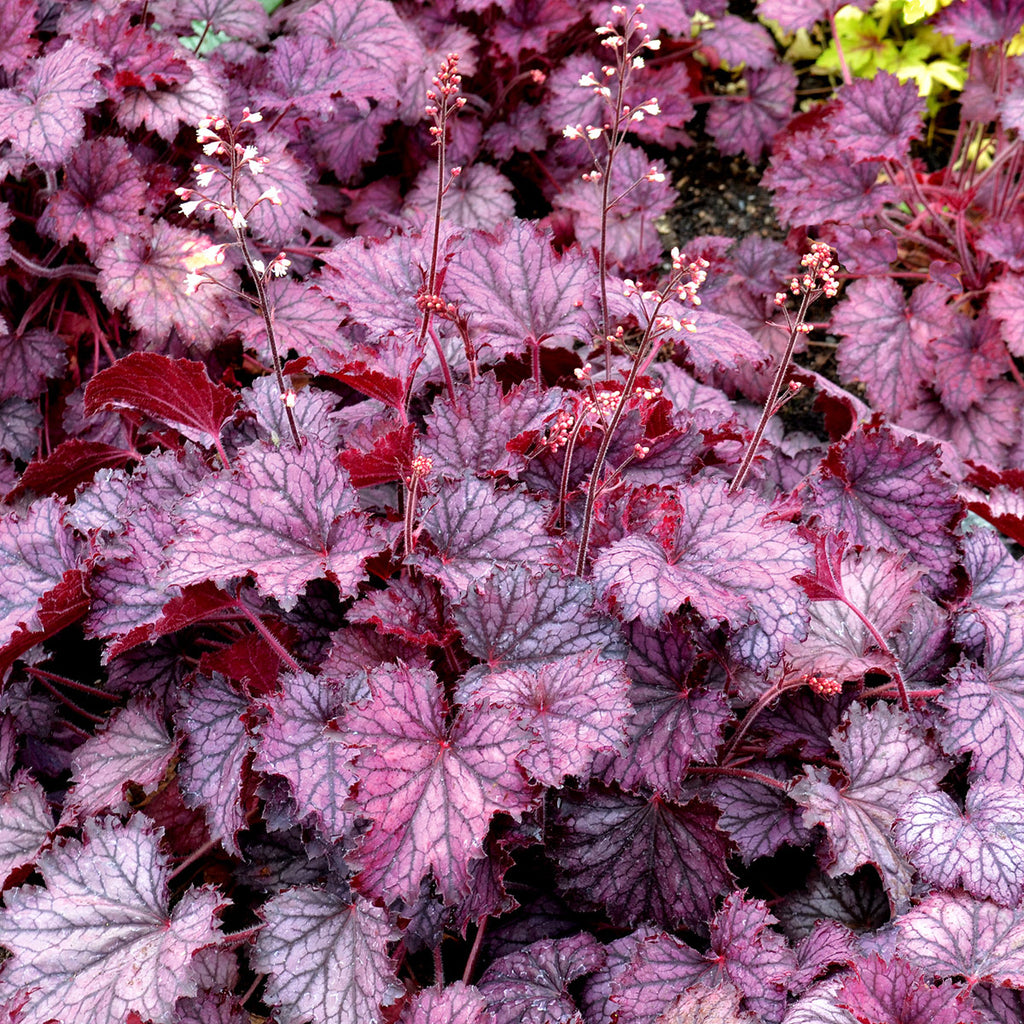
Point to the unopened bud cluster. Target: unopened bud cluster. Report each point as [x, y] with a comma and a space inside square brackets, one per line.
[824, 686]
[819, 274]
[444, 99]
[594, 407]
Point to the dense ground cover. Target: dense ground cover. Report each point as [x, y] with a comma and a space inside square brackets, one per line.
[413, 605]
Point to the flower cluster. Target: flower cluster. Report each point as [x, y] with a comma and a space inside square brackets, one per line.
[819, 274]
[594, 407]
[444, 99]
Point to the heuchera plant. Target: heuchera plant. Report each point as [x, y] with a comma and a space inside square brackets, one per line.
[413, 604]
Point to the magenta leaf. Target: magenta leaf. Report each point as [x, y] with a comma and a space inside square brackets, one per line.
[968, 358]
[285, 516]
[886, 762]
[521, 617]
[174, 391]
[517, 292]
[746, 123]
[476, 528]
[659, 967]
[145, 273]
[429, 788]
[103, 193]
[641, 859]
[326, 958]
[950, 934]
[472, 435]
[890, 492]
[571, 709]
[36, 550]
[982, 22]
[17, 26]
[985, 703]
[43, 115]
[100, 941]
[302, 741]
[241, 19]
[216, 745]
[25, 818]
[887, 339]
[134, 746]
[877, 117]
[413, 607]
[725, 555]
[1006, 304]
[897, 991]
[532, 985]
[737, 42]
[980, 849]
[27, 360]
[455, 1004]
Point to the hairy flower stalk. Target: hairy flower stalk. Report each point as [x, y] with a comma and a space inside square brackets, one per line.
[219, 138]
[625, 35]
[443, 102]
[818, 278]
[683, 284]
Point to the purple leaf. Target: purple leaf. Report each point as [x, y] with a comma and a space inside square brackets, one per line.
[982, 22]
[134, 747]
[25, 818]
[429, 788]
[240, 19]
[796, 14]
[640, 859]
[146, 273]
[302, 741]
[522, 617]
[724, 554]
[43, 115]
[17, 28]
[285, 516]
[102, 196]
[304, 320]
[36, 550]
[1003, 240]
[1006, 303]
[890, 493]
[413, 607]
[480, 198]
[472, 435]
[326, 958]
[175, 391]
[121, 949]
[704, 1003]
[951, 934]
[759, 818]
[886, 762]
[981, 849]
[747, 123]
[455, 1004]
[517, 292]
[572, 709]
[985, 705]
[216, 746]
[887, 340]
[532, 986]
[967, 359]
[660, 967]
[477, 528]
[877, 117]
[737, 42]
[896, 991]
[27, 360]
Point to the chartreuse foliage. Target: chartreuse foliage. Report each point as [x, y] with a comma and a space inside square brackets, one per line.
[406, 613]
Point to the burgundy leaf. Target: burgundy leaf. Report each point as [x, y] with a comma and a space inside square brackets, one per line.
[145, 272]
[725, 555]
[286, 516]
[950, 934]
[302, 741]
[890, 493]
[326, 958]
[980, 850]
[71, 463]
[877, 117]
[476, 528]
[886, 762]
[985, 704]
[413, 608]
[517, 292]
[388, 460]
[216, 746]
[133, 747]
[522, 617]
[43, 115]
[895, 991]
[641, 859]
[572, 709]
[121, 948]
[429, 788]
[532, 986]
[175, 391]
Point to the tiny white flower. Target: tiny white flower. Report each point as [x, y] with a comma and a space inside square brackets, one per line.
[572, 132]
[259, 266]
[192, 282]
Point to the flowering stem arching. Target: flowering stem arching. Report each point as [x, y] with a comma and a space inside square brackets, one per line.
[818, 278]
